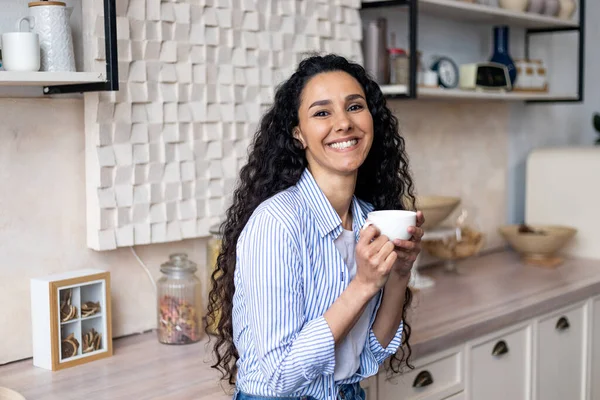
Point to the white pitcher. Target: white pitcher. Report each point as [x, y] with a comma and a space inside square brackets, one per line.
[50, 20]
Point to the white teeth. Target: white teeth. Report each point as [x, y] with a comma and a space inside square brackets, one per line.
[344, 145]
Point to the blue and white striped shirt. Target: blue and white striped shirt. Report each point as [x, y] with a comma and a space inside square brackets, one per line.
[288, 274]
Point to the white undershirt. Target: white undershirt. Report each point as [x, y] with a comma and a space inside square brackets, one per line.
[347, 352]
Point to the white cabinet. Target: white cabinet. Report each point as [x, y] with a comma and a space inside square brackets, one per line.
[500, 366]
[370, 387]
[555, 356]
[434, 378]
[458, 396]
[560, 355]
[595, 353]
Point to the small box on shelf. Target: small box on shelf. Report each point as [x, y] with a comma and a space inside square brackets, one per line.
[71, 318]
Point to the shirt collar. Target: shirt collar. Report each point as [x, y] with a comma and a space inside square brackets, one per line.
[327, 218]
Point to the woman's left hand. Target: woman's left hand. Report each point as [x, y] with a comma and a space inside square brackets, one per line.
[408, 250]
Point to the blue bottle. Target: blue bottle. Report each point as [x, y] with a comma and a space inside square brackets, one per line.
[501, 54]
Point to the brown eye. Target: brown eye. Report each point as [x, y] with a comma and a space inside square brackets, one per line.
[355, 107]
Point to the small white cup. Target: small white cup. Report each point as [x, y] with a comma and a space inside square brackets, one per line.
[21, 51]
[393, 223]
[430, 78]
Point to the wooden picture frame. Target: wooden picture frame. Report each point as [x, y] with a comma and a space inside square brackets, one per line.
[71, 318]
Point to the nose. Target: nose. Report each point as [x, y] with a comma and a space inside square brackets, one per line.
[343, 123]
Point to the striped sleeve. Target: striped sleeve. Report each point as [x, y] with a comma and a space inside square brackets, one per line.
[291, 352]
[378, 351]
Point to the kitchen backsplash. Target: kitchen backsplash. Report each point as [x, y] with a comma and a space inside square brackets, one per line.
[460, 149]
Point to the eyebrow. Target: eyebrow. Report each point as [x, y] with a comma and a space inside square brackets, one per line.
[350, 97]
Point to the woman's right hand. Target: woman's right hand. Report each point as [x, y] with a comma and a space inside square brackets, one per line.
[375, 257]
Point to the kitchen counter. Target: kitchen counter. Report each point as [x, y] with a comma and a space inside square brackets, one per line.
[492, 292]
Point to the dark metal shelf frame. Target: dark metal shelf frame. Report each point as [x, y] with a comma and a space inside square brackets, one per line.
[413, 30]
[580, 54]
[112, 67]
[413, 21]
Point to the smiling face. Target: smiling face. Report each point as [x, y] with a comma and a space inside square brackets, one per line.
[335, 124]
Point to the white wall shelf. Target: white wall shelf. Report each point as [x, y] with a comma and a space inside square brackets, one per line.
[42, 78]
[457, 94]
[480, 13]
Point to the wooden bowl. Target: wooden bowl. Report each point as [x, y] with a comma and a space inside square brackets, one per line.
[451, 249]
[537, 241]
[9, 394]
[436, 209]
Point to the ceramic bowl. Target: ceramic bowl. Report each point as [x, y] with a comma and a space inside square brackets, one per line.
[544, 242]
[436, 209]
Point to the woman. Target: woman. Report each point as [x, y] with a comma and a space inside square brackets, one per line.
[309, 303]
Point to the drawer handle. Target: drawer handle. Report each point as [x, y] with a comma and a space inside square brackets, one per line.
[562, 324]
[423, 379]
[500, 348]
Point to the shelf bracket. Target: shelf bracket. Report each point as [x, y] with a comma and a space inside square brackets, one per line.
[580, 55]
[112, 66]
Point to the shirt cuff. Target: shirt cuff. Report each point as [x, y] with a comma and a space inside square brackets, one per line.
[378, 351]
[318, 347]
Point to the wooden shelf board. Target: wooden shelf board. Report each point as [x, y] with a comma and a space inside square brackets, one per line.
[480, 13]
[438, 93]
[434, 93]
[42, 78]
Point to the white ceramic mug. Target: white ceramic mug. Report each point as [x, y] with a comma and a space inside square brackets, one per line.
[393, 223]
[21, 51]
[430, 78]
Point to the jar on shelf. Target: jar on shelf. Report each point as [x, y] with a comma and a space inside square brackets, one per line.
[399, 67]
[212, 252]
[179, 295]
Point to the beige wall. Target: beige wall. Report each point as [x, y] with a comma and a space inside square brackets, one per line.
[455, 148]
[42, 222]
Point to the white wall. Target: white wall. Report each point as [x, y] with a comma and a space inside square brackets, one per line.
[543, 125]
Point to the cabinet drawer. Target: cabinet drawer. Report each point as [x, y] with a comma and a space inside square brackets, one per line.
[560, 355]
[595, 353]
[500, 367]
[434, 378]
[458, 396]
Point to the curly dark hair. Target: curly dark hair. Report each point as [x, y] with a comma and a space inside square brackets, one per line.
[276, 161]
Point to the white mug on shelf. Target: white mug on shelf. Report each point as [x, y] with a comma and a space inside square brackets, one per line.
[21, 51]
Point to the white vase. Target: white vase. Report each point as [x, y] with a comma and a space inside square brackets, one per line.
[514, 5]
[50, 20]
[567, 8]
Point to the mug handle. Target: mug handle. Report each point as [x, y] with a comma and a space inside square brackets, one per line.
[367, 224]
[30, 21]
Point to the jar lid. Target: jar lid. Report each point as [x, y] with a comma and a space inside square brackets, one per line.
[178, 262]
[396, 50]
[47, 3]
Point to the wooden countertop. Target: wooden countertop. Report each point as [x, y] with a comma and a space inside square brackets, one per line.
[492, 292]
